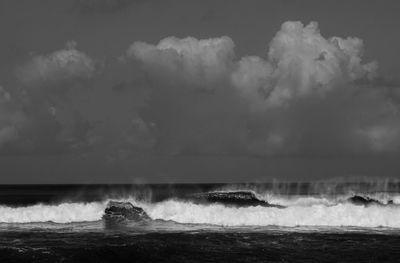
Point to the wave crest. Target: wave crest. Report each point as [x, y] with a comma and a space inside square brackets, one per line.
[300, 211]
[62, 213]
[342, 214]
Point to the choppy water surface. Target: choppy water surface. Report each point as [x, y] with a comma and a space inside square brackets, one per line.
[314, 223]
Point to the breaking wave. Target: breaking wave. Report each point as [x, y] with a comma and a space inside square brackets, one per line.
[297, 211]
[62, 213]
[342, 214]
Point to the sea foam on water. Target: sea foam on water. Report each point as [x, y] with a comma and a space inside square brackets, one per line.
[298, 211]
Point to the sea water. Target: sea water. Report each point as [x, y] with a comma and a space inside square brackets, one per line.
[315, 222]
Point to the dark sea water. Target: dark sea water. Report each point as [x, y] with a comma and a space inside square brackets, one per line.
[317, 223]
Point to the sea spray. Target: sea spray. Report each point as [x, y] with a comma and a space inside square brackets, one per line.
[61, 213]
[342, 214]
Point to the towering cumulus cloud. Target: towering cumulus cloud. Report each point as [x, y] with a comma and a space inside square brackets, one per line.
[310, 94]
[192, 102]
[302, 63]
[194, 61]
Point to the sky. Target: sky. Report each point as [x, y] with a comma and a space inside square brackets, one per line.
[183, 91]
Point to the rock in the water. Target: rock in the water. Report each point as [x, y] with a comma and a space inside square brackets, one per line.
[360, 200]
[124, 211]
[232, 198]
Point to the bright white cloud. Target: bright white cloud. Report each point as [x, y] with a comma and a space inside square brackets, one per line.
[190, 59]
[302, 63]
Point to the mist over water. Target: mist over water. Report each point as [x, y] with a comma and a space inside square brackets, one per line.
[324, 204]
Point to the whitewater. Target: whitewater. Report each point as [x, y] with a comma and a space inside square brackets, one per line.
[298, 211]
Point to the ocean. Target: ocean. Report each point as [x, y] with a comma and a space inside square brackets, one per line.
[256, 222]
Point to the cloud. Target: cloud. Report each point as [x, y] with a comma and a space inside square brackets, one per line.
[302, 63]
[59, 67]
[382, 137]
[11, 119]
[309, 95]
[42, 114]
[253, 79]
[188, 59]
[304, 97]
[191, 104]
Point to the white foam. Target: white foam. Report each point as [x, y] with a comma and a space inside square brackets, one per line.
[304, 211]
[327, 200]
[315, 215]
[62, 213]
[300, 200]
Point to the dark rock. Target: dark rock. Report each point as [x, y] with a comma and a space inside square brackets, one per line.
[232, 198]
[360, 200]
[118, 212]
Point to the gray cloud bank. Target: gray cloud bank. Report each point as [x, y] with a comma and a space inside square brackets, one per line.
[309, 95]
